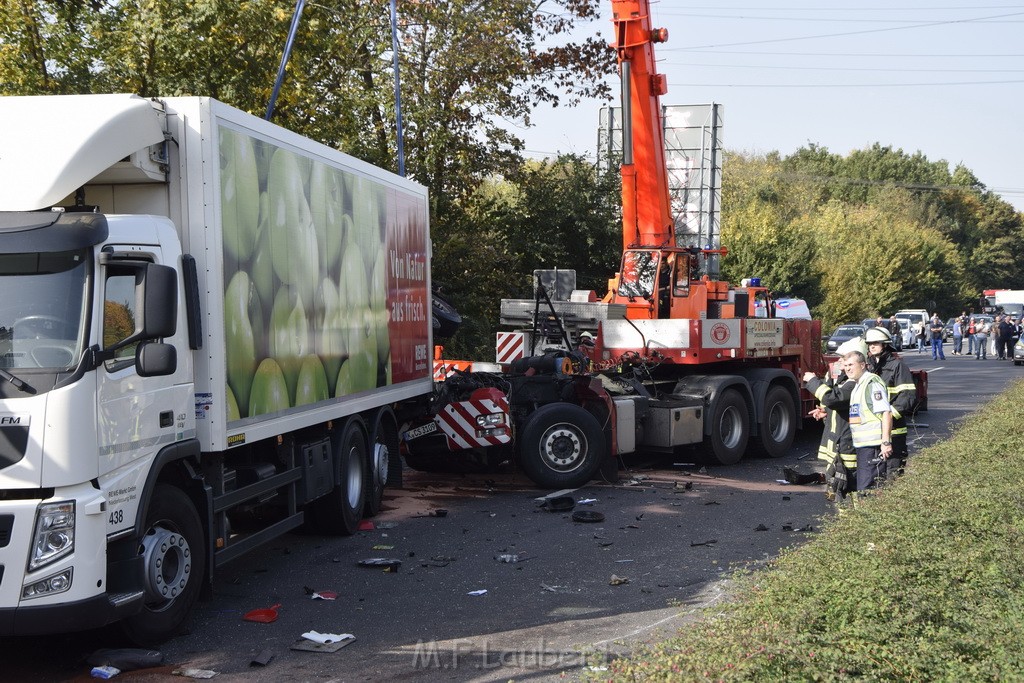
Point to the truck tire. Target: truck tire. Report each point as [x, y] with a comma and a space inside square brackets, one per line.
[339, 512]
[775, 437]
[383, 450]
[173, 550]
[562, 446]
[730, 428]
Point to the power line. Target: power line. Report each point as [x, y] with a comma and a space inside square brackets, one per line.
[838, 68]
[857, 8]
[888, 55]
[846, 33]
[839, 85]
[805, 19]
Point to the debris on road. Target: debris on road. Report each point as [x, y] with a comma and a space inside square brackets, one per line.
[262, 659]
[365, 525]
[792, 476]
[313, 641]
[587, 516]
[385, 562]
[324, 595]
[618, 580]
[104, 672]
[265, 615]
[482, 591]
[586, 501]
[126, 659]
[681, 486]
[510, 558]
[200, 674]
[327, 638]
[559, 504]
[383, 547]
[760, 527]
[712, 541]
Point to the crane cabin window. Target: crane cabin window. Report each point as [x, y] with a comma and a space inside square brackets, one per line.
[639, 274]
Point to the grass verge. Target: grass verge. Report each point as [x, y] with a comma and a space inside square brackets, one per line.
[923, 581]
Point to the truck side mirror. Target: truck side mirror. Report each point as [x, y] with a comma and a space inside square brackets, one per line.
[155, 359]
[160, 307]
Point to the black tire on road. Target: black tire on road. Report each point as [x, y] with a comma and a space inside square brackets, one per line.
[775, 437]
[561, 446]
[730, 428]
[383, 455]
[339, 512]
[173, 550]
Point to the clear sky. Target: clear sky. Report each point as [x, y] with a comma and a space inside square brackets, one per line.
[943, 77]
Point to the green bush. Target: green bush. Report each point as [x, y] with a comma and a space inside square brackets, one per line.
[922, 581]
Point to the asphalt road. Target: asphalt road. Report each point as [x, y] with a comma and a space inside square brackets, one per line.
[579, 594]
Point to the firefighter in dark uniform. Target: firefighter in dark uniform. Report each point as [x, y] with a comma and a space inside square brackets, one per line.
[836, 448]
[902, 393]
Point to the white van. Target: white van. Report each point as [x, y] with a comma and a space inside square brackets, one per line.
[914, 316]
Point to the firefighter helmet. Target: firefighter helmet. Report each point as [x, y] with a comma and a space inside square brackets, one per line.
[855, 344]
[878, 335]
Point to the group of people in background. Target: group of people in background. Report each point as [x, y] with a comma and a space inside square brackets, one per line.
[864, 401]
[984, 336]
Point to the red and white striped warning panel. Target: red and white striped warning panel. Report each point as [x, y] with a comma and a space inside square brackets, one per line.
[443, 368]
[459, 421]
[509, 347]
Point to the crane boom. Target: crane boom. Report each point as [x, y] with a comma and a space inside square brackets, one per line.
[646, 205]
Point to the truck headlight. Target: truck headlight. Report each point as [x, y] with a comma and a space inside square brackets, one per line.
[51, 585]
[490, 420]
[491, 424]
[55, 534]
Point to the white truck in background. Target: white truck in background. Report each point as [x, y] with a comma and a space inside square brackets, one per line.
[207, 323]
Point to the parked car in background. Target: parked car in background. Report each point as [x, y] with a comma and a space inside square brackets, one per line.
[906, 335]
[843, 333]
[898, 340]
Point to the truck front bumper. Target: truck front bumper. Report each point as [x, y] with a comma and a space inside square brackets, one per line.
[94, 612]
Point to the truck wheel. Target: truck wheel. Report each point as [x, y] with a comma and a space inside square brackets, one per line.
[383, 450]
[338, 513]
[779, 427]
[562, 446]
[173, 550]
[730, 428]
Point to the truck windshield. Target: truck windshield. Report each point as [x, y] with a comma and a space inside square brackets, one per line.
[42, 311]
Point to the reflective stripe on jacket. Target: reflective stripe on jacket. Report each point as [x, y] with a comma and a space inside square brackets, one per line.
[902, 391]
[836, 439]
[869, 401]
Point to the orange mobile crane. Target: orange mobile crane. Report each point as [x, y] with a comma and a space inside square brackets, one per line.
[670, 356]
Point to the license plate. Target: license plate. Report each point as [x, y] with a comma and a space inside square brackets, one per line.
[422, 430]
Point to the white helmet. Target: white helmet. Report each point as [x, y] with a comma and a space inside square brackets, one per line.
[878, 335]
[855, 344]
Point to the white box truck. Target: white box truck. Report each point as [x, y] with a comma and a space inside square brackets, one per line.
[207, 323]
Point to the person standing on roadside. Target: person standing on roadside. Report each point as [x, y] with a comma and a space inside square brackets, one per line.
[1005, 338]
[897, 332]
[971, 331]
[836, 447]
[918, 329]
[902, 393]
[935, 332]
[958, 337]
[870, 421]
[981, 340]
[997, 343]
